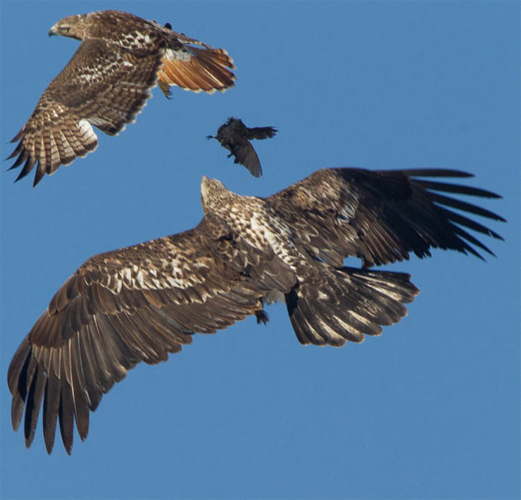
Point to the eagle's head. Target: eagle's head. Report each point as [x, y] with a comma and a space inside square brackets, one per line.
[71, 26]
[213, 194]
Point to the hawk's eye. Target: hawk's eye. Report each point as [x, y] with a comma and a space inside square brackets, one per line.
[64, 29]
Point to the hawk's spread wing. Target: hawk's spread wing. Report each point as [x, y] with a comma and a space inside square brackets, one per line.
[107, 83]
[120, 308]
[100, 86]
[382, 216]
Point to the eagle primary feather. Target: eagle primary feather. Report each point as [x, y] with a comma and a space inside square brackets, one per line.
[143, 302]
[107, 83]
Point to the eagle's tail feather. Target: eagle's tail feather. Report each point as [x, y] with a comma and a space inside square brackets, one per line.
[375, 298]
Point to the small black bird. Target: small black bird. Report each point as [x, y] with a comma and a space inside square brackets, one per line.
[235, 137]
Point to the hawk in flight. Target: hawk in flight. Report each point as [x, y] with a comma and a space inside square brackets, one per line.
[107, 83]
[143, 302]
[235, 137]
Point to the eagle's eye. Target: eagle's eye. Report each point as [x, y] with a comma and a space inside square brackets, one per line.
[65, 29]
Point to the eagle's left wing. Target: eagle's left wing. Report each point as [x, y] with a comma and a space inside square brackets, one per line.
[382, 216]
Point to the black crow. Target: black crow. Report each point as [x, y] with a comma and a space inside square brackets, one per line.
[235, 137]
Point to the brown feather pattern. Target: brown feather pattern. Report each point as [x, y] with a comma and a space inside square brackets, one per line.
[142, 303]
[107, 83]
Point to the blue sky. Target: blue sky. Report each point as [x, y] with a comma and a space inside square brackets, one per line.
[428, 410]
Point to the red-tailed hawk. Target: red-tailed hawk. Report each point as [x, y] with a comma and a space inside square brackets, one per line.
[143, 302]
[235, 137]
[107, 83]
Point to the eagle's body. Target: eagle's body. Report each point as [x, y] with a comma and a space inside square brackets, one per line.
[107, 83]
[235, 137]
[142, 302]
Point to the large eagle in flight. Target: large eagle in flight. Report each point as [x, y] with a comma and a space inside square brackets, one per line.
[143, 302]
[107, 83]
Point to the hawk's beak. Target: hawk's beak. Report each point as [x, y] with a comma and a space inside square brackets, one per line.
[53, 31]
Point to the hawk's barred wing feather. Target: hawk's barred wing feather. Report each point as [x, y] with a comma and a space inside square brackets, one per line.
[107, 83]
[99, 86]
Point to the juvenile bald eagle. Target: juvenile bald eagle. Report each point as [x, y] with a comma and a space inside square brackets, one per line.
[107, 83]
[235, 137]
[143, 302]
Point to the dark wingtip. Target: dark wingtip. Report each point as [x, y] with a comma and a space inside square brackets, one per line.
[26, 170]
[436, 172]
[254, 169]
[21, 175]
[38, 177]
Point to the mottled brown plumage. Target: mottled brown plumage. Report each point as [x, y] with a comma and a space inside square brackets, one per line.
[107, 83]
[143, 302]
[235, 137]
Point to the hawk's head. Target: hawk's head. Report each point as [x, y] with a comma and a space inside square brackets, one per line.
[72, 26]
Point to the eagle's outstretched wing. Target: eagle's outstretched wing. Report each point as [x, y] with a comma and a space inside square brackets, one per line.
[142, 302]
[118, 309]
[382, 216]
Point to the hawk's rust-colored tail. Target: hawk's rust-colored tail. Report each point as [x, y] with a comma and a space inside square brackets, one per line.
[207, 70]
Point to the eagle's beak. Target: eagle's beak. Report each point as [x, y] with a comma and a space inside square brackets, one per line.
[52, 31]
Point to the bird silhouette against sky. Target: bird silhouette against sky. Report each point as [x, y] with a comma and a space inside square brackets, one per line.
[235, 137]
